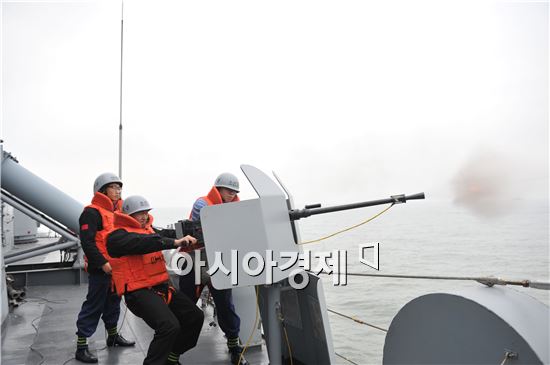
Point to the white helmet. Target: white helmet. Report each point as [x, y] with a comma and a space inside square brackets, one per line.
[104, 179]
[134, 204]
[227, 180]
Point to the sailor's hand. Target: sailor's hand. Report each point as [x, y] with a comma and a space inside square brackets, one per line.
[107, 268]
[185, 241]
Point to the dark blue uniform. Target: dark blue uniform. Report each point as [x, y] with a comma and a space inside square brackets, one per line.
[228, 319]
[101, 301]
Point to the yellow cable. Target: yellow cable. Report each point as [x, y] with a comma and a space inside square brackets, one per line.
[349, 228]
[288, 344]
[253, 327]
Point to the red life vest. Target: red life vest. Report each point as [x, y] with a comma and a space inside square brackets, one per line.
[106, 209]
[135, 272]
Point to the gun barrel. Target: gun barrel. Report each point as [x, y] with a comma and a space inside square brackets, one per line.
[394, 199]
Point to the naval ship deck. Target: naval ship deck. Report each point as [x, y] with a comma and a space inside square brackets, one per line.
[41, 330]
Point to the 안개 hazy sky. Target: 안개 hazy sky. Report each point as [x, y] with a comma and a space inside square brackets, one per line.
[345, 100]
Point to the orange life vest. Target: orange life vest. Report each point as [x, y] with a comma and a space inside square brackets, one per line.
[135, 272]
[106, 209]
[214, 197]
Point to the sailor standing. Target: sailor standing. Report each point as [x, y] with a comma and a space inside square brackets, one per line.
[225, 190]
[101, 302]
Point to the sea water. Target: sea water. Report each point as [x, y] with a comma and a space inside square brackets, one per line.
[417, 238]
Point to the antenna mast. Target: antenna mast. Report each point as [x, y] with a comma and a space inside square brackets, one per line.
[120, 105]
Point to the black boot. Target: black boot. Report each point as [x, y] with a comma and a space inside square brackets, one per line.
[118, 340]
[236, 352]
[84, 355]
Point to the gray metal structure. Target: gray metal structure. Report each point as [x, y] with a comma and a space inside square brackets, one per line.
[303, 314]
[70, 239]
[38, 216]
[41, 195]
[37, 201]
[25, 228]
[262, 226]
[3, 289]
[252, 226]
[482, 325]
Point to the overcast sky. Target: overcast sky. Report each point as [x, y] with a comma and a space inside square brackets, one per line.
[345, 100]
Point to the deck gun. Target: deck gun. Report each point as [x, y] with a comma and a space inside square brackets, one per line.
[314, 209]
[193, 228]
[265, 231]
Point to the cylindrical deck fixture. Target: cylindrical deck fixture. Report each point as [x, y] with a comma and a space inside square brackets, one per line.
[41, 195]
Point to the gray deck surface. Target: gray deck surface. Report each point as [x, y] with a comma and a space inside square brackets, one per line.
[42, 331]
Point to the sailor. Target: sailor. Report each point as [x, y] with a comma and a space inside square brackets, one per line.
[225, 190]
[95, 222]
[139, 273]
